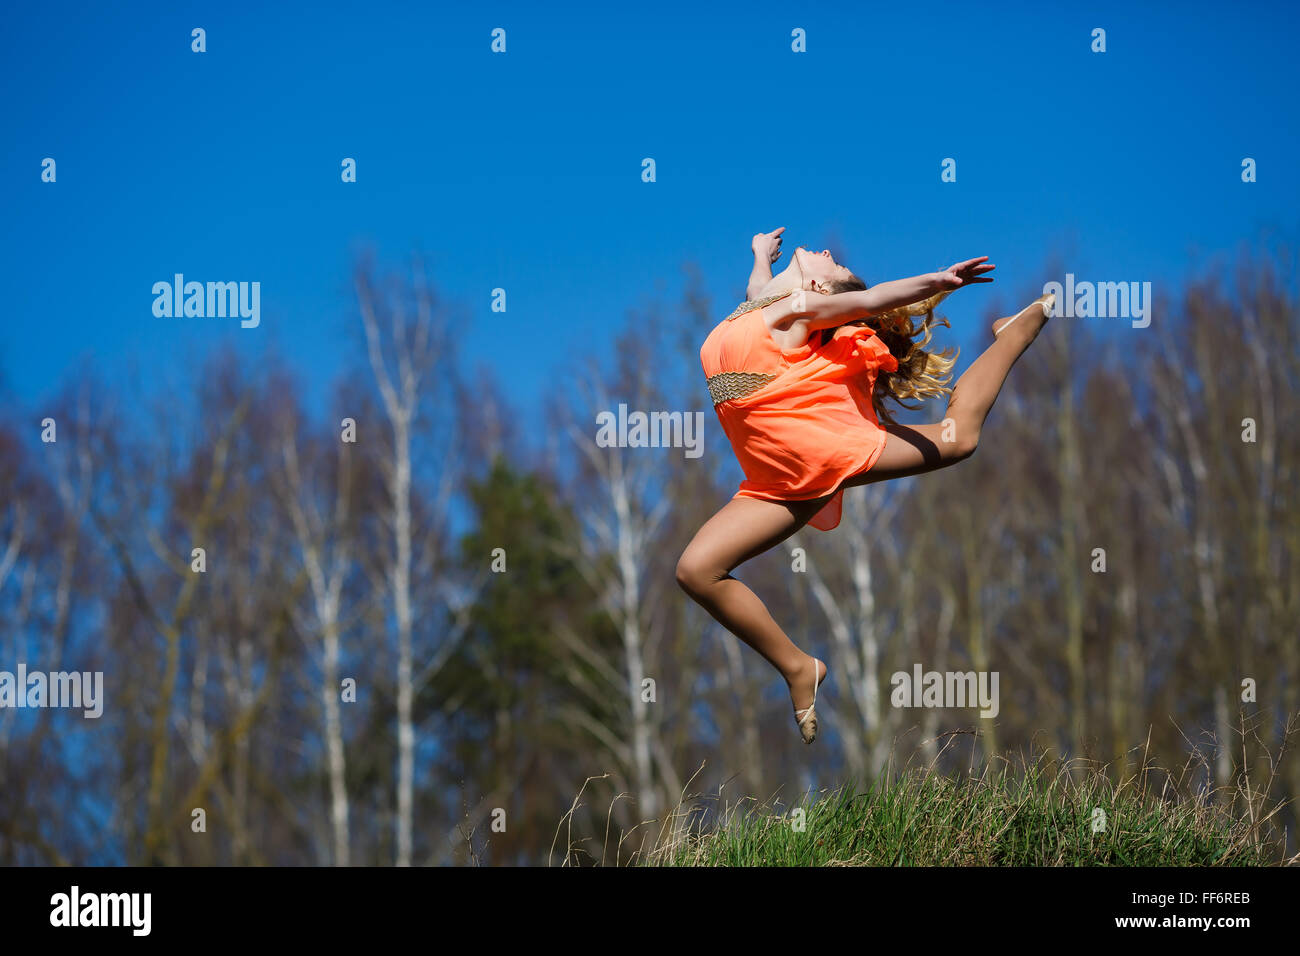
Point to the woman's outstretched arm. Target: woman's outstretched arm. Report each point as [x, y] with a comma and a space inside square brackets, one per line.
[818, 311]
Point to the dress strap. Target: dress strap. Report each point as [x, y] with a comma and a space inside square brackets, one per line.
[753, 304]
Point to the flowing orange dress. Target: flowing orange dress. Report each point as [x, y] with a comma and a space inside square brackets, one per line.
[809, 424]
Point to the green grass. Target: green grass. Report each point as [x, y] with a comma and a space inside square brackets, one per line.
[1041, 816]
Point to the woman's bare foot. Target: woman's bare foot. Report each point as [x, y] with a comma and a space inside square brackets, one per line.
[1025, 324]
[802, 695]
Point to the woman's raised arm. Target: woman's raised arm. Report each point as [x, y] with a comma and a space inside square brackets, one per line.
[767, 249]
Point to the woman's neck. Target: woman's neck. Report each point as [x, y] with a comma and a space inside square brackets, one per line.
[783, 281]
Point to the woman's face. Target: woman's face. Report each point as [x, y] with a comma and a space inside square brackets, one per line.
[818, 269]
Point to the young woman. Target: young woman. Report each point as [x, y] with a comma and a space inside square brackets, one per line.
[799, 374]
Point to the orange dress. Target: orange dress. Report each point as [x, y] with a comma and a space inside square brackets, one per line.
[810, 423]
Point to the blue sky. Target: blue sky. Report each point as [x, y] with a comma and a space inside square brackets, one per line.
[523, 170]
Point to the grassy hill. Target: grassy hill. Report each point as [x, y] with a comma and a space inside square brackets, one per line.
[1038, 817]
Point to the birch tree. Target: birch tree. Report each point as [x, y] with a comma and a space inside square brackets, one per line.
[325, 541]
[408, 346]
[621, 513]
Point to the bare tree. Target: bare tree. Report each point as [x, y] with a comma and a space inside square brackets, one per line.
[622, 514]
[413, 365]
[326, 544]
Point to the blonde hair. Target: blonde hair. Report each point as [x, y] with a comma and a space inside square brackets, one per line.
[922, 374]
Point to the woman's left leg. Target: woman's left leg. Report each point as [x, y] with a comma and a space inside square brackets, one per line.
[744, 528]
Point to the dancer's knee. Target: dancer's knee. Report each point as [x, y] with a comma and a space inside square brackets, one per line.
[960, 436]
[696, 575]
[965, 444]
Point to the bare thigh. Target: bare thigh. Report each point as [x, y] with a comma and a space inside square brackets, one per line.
[742, 529]
[911, 450]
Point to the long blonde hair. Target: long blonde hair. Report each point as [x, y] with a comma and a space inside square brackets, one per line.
[922, 374]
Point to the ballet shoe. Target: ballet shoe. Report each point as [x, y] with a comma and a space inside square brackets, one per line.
[1047, 301]
[808, 722]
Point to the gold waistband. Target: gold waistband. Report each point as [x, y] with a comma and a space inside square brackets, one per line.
[726, 386]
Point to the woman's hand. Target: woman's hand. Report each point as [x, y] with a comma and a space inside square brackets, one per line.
[767, 245]
[963, 273]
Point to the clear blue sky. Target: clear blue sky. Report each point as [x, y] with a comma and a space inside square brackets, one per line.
[523, 170]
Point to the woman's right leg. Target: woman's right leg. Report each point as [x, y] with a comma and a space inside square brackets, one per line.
[916, 449]
[744, 528]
